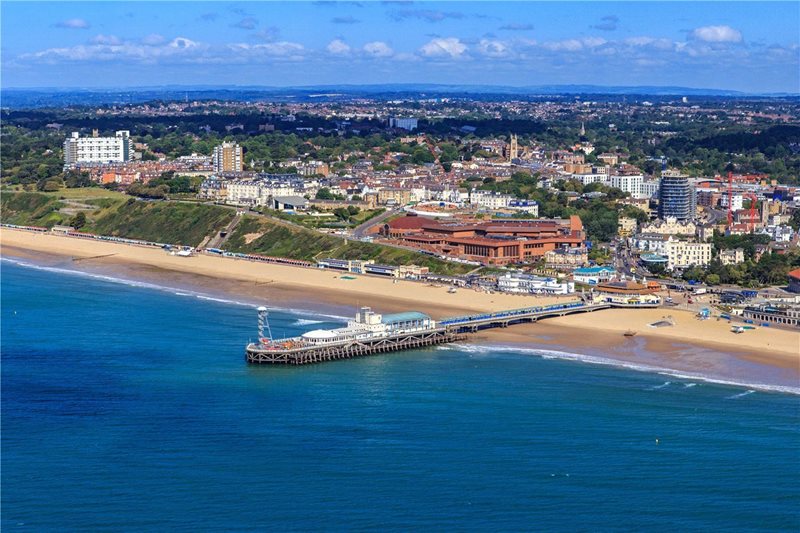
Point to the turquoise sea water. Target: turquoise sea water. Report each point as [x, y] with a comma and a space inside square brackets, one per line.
[126, 407]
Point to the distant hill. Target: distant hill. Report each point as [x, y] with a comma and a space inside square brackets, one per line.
[57, 97]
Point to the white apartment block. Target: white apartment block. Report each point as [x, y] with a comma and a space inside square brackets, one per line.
[683, 254]
[630, 183]
[244, 192]
[737, 202]
[409, 124]
[116, 149]
[257, 192]
[586, 179]
[652, 242]
[490, 199]
[648, 189]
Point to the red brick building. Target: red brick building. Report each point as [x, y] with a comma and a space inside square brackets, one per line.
[492, 242]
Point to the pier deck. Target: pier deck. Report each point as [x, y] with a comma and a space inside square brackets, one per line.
[346, 350]
[503, 319]
[298, 352]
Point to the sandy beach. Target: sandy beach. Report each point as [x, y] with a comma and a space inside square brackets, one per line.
[689, 345]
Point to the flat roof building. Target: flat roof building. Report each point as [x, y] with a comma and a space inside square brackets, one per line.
[86, 150]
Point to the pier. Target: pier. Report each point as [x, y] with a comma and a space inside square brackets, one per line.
[371, 333]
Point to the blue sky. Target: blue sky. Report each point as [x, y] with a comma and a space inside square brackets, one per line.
[728, 45]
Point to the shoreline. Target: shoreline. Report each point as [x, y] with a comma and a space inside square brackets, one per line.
[706, 349]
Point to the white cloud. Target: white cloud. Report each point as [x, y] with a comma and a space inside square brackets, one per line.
[280, 49]
[378, 49]
[493, 48]
[338, 47]
[111, 48]
[106, 39]
[567, 45]
[594, 42]
[182, 43]
[574, 45]
[74, 24]
[153, 39]
[716, 34]
[649, 42]
[450, 46]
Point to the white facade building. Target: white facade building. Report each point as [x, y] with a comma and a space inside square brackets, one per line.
[649, 189]
[731, 257]
[779, 232]
[116, 149]
[409, 124]
[490, 199]
[244, 192]
[258, 192]
[670, 226]
[737, 201]
[630, 183]
[683, 254]
[586, 179]
[527, 284]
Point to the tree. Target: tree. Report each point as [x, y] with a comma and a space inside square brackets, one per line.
[324, 194]
[79, 220]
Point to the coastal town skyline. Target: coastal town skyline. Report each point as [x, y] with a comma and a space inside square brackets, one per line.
[752, 48]
[400, 266]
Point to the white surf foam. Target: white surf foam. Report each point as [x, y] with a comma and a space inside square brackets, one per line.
[306, 322]
[313, 317]
[489, 349]
[741, 395]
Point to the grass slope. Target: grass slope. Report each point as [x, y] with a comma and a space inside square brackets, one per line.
[278, 238]
[30, 209]
[168, 222]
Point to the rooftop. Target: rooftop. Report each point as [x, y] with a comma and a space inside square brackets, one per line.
[404, 317]
[593, 270]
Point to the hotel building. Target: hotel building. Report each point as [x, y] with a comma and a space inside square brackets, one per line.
[87, 150]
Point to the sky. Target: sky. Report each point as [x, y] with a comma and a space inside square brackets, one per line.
[751, 47]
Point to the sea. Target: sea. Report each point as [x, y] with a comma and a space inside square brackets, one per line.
[128, 406]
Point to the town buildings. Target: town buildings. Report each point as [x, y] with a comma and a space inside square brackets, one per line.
[492, 242]
[678, 253]
[593, 275]
[731, 257]
[684, 254]
[409, 124]
[95, 149]
[794, 280]
[626, 226]
[528, 284]
[676, 196]
[227, 157]
[566, 258]
[669, 226]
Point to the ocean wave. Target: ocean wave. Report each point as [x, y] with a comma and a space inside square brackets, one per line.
[741, 395]
[306, 322]
[313, 316]
[489, 349]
